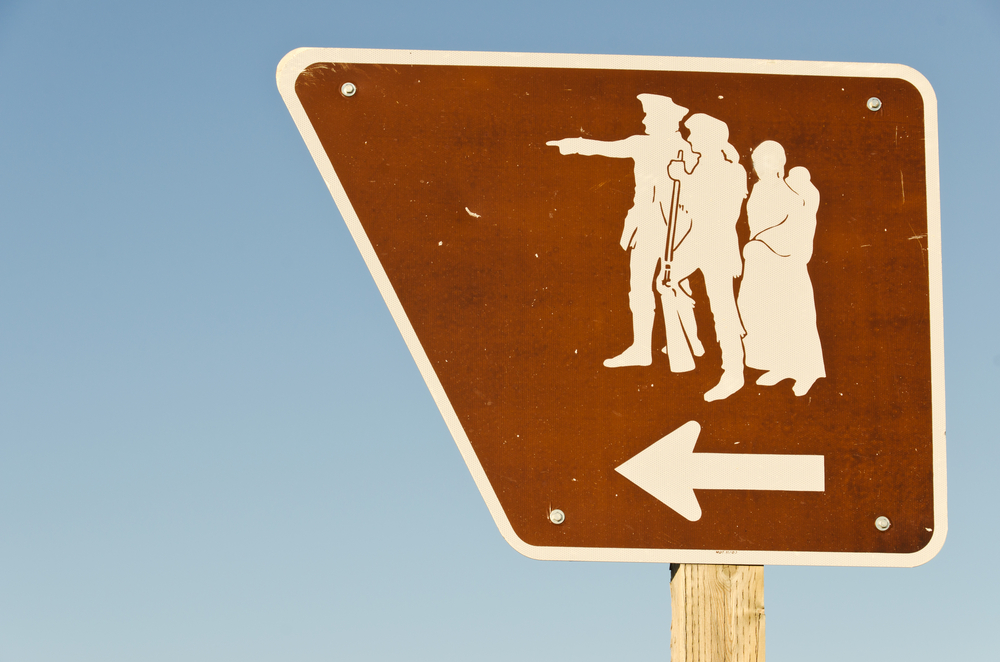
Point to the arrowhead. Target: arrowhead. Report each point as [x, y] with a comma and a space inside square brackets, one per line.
[663, 470]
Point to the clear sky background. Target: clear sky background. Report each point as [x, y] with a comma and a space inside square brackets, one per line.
[214, 444]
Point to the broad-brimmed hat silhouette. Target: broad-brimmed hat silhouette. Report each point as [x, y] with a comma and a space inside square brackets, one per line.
[708, 128]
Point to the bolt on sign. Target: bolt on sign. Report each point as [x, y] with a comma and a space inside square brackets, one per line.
[671, 309]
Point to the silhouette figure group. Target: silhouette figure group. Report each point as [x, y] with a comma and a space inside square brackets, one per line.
[688, 198]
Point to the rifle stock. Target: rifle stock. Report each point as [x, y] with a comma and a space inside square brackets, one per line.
[677, 349]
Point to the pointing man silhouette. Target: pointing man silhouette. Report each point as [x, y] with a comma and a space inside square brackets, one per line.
[645, 232]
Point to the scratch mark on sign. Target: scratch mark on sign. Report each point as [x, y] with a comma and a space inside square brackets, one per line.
[472, 213]
[919, 238]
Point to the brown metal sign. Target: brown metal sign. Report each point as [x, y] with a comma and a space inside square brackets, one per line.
[671, 309]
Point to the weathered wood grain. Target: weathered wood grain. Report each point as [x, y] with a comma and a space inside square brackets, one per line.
[717, 613]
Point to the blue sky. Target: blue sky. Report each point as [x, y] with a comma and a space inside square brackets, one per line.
[214, 444]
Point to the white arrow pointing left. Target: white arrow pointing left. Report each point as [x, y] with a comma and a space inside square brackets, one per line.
[671, 471]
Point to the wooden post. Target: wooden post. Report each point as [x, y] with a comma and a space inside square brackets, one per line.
[717, 613]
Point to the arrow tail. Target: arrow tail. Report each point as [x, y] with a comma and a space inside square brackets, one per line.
[778, 473]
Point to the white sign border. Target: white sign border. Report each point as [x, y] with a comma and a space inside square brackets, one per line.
[299, 59]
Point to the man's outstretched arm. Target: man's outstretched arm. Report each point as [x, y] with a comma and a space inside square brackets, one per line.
[616, 149]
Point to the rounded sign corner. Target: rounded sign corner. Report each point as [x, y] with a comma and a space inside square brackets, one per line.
[291, 60]
[931, 549]
[915, 78]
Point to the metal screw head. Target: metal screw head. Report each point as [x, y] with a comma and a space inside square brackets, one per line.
[882, 523]
[874, 104]
[348, 89]
[557, 516]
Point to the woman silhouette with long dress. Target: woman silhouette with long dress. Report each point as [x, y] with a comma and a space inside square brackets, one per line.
[776, 300]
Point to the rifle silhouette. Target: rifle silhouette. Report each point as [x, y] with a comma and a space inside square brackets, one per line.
[678, 307]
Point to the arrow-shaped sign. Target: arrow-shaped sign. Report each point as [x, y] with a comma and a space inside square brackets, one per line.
[671, 471]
